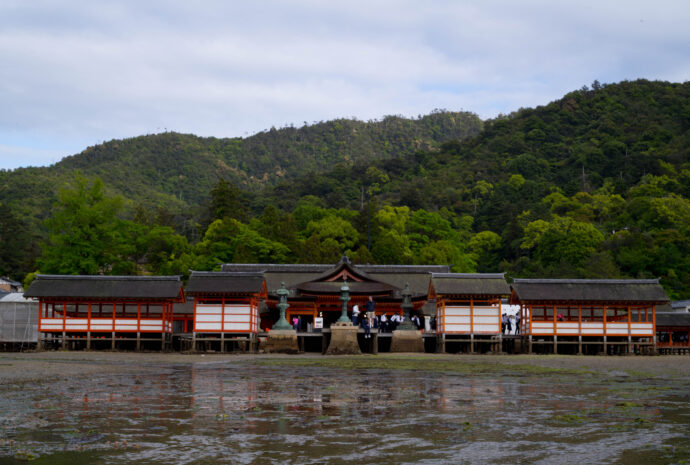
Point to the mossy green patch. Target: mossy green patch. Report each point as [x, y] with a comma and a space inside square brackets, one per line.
[412, 363]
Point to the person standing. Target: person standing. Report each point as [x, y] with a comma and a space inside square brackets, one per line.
[517, 323]
[367, 328]
[383, 325]
[355, 315]
[371, 309]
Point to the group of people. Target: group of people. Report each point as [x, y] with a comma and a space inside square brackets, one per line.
[382, 323]
[510, 324]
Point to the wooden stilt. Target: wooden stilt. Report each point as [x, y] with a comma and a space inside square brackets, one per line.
[471, 343]
[555, 344]
[606, 352]
[112, 341]
[138, 341]
[579, 344]
[63, 341]
[529, 345]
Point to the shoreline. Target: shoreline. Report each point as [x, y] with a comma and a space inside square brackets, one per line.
[21, 367]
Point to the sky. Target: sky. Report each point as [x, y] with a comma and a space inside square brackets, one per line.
[74, 74]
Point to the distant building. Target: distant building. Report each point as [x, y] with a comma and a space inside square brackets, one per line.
[18, 321]
[8, 285]
[682, 306]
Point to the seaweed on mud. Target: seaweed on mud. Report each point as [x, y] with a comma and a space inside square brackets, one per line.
[426, 364]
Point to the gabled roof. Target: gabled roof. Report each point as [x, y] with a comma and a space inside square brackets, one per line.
[224, 282]
[358, 281]
[395, 276]
[590, 290]
[493, 284]
[106, 287]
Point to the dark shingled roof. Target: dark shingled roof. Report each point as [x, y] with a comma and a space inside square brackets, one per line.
[330, 281]
[294, 275]
[470, 284]
[106, 287]
[223, 282]
[275, 268]
[590, 290]
[322, 268]
[333, 287]
[673, 319]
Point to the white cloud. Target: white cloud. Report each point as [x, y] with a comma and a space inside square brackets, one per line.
[74, 74]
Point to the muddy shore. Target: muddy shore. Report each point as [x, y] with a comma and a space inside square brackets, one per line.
[79, 408]
[24, 367]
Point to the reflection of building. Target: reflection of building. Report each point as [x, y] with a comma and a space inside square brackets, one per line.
[614, 314]
[106, 310]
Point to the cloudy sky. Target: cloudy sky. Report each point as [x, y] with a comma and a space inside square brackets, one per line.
[74, 74]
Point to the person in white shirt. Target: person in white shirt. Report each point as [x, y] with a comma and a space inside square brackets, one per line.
[355, 315]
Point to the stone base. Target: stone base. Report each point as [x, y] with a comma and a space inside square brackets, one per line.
[283, 341]
[407, 341]
[343, 340]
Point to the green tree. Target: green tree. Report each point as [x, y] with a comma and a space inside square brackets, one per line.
[85, 236]
[226, 202]
[485, 250]
[335, 230]
[569, 241]
[18, 251]
[229, 241]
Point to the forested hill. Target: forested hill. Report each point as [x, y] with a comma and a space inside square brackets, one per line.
[177, 171]
[593, 185]
[609, 136]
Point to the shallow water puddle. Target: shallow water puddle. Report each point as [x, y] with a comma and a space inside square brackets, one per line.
[283, 413]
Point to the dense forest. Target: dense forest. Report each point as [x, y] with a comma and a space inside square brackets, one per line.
[595, 184]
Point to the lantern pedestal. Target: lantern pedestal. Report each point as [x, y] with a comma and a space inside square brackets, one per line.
[343, 340]
[407, 341]
[282, 341]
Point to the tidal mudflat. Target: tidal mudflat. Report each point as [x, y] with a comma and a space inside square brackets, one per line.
[97, 407]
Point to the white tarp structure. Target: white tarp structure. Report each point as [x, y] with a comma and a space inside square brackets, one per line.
[18, 319]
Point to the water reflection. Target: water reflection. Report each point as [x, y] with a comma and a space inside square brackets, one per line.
[244, 413]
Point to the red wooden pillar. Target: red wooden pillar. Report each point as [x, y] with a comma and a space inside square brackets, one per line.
[499, 316]
[222, 315]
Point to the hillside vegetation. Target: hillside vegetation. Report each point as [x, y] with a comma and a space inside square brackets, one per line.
[176, 172]
[595, 184]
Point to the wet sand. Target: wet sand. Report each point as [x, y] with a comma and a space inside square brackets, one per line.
[78, 408]
[23, 367]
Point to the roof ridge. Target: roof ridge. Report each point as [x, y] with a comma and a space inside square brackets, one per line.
[469, 275]
[108, 277]
[584, 281]
[258, 274]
